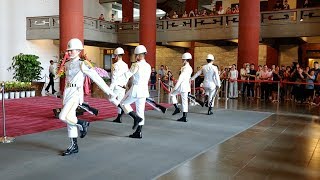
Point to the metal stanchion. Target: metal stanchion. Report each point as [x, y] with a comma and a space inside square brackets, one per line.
[194, 88]
[226, 94]
[4, 139]
[169, 88]
[192, 103]
[278, 97]
[159, 89]
[226, 90]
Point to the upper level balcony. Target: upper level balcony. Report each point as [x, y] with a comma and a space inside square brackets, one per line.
[274, 24]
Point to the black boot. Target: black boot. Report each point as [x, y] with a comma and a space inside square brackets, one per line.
[210, 111]
[83, 127]
[177, 109]
[206, 101]
[136, 119]
[119, 119]
[56, 112]
[162, 108]
[184, 117]
[73, 148]
[137, 134]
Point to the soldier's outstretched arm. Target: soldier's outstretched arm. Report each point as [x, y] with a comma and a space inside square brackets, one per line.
[217, 78]
[88, 69]
[196, 75]
[133, 69]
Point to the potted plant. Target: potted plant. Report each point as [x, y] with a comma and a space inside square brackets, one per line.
[9, 90]
[22, 87]
[27, 68]
[1, 83]
[16, 89]
[6, 92]
[28, 88]
[33, 91]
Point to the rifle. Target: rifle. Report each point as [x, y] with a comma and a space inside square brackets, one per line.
[155, 105]
[61, 68]
[190, 96]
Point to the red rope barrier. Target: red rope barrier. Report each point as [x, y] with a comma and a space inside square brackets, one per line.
[164, 87]
[283, 82]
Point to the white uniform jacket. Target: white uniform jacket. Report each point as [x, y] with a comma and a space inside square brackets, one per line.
[141, 72]
[211, 76]
[118, 80]
[76, 70]
[183, 83]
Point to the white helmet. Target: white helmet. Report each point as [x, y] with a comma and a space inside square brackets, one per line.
[74, 44]
[140, 49]
[210, 57]
[118, 51]
[186, 56]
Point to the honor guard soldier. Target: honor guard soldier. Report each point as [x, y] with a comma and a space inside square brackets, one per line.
[76, 70]
[139, 91]
[118, 80]
[182, 87]
[211, 81]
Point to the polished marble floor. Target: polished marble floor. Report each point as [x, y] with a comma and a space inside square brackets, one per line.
[283, 146]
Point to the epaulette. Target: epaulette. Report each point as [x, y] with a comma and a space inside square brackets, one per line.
[88, 63]
[133, 65]
[112, 67]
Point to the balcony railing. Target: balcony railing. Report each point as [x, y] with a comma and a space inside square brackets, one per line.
[269, 19]
[52, 22]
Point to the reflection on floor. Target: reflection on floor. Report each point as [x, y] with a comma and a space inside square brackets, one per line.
[284, 146]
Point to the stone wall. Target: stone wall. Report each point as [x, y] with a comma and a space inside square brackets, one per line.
[170, 57]
[262, 55]
[224, 55]
[288, 54]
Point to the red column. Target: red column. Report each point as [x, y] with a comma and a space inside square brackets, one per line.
[249, 32]
[147, 34]
[191, 5]
[126, 56]
[191, 51]
[127, 10]
[71, 24]
[272, 56]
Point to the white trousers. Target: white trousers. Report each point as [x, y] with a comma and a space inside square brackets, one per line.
[233, 89]
[140, 106]
[210, 92]
[68, 115]
[119, 92]
[184, 99]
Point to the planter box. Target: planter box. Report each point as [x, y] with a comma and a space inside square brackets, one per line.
[28, 94]
[16, 95]
[22, 94]
[11, 95]
[33, 93]
[6, 95]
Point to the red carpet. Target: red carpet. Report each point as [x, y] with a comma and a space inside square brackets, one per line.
[32, 115]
